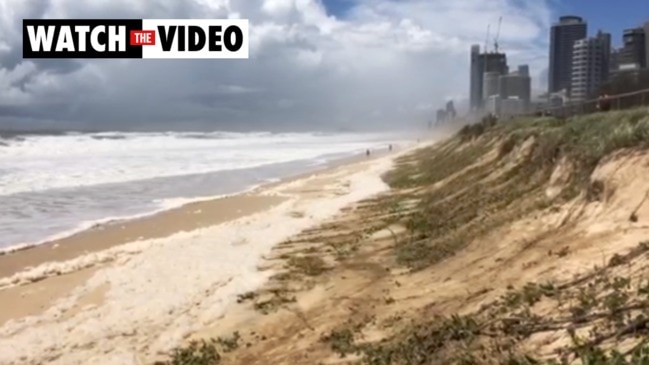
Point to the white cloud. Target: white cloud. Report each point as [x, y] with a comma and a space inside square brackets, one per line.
[383, 61]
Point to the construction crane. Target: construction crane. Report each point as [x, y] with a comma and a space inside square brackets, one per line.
[486, 41]
[500, 20]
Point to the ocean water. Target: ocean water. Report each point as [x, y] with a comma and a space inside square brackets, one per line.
[52, 186]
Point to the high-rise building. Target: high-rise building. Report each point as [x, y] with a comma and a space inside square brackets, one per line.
[475, 92]
[494, 65]
[512, 106]
[614, 61]
[605, 39]
[562, 38]
[590, 66]
[490, 84]
[524, 70]
[633, 54]
[517, 84]
[646, 43]
[482, 63]
[450, 110]
[494, 62]
[492, 104]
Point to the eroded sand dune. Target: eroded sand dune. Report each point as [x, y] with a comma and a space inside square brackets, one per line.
[507, 241]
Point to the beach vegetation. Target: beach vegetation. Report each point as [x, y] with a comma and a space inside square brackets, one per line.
[481, 190]
[202, 352]
[344, 249]
[195, 353]
[229, 344]
[341, 341]
[275, 300]
[307, 265]
[246, 296]
[599, 310]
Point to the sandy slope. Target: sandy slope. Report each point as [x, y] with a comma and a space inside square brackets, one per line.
[369, 292]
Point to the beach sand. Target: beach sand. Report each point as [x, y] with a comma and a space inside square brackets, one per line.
[131, 290]
[32, 299]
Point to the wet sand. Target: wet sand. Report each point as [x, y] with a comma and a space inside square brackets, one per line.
[186, 218]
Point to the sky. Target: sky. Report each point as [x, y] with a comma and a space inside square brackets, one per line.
[314, 64]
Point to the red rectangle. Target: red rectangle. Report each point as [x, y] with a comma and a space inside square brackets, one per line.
[142, 37]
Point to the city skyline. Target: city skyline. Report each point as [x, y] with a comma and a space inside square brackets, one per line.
[599, 17]
[600, 14]
[579, 64]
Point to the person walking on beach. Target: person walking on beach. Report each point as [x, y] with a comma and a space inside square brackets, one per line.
[390, 147]
[367, 153]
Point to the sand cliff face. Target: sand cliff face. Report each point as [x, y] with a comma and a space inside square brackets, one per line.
[484, 251]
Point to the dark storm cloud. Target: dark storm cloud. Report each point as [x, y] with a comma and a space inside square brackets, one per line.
[386, 61]
[11, 58]
[59, 66]
[13, 111]
[31, 9]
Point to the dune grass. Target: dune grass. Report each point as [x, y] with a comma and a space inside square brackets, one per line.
[469, 204]
[598, 310]
[474, 200]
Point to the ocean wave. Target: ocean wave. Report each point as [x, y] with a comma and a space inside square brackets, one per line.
[108, 137]
[43, 162]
